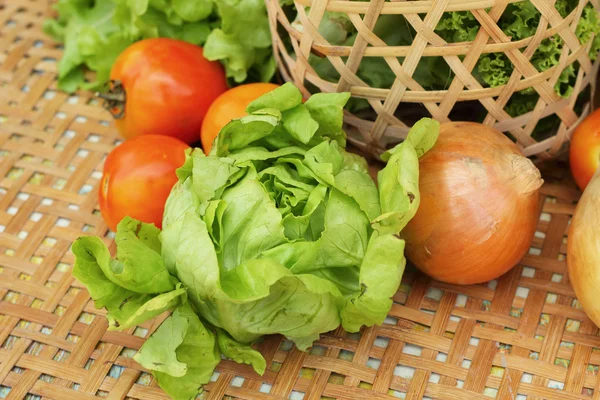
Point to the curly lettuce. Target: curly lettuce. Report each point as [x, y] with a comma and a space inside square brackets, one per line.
[519, 21]
[95, 32]
[278, 231]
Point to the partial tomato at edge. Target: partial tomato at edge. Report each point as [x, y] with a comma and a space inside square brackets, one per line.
[230, 105]
[137, 178]
[168, 86]
[584, 155]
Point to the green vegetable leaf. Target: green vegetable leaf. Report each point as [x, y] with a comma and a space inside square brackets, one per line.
[132, 309]
[158, 352]
[361, 188]
[251, 224]
[196, 259]
[182, 200]
[310, 223]
[422, 137]
[398, 190]
[195, 33]
[297, 306]
[299, 124]
[278, 231]
[227, 49]
[239, 133]
[181, 354]
[262, 154]
[246, 20]
[335, 27]
[91, 38]
[211, 175]
[252, 280]
[138, 267]
[355, 162]
[346, 279]
[96, 32]
[192, 11]
[282, 98]
[344, 240]
[458, 26]
[240, 352]
[328, 111]
[325, 161]
[87, 271]
[399, 181]
[127, 304]
[243, 41]
[380, 274]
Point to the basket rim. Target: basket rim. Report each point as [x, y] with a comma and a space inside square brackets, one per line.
[403, 7]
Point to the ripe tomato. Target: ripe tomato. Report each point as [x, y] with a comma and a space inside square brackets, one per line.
[168, 87]
[230, 105]
[585, 149]
[138, 177]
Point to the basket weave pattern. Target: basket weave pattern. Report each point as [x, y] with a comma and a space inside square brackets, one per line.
[522, 335]
[387, 128]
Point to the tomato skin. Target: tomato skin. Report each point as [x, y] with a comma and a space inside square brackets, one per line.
[137, 178]
[584, 155]
[230, 105]
[169, 86]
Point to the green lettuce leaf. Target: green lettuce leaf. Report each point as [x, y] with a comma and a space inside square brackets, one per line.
[299, 124]
[138, 266]
[91, 38]
[399, 181]
[158, 352]
[282, 98]
[344, 240]
[241, 353]
[361, 188]
[192, 11]
[251, 224]
[133, 288]
[182, 354]
[278, 231]
[94, 33]
[136, 308]
[242, 39]
[241, 132]
[384, 258]
[327, 110]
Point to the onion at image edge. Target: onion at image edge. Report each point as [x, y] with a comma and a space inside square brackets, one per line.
[479, 206]
[583, 252]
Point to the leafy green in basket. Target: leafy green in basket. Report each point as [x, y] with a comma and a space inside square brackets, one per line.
[278, 231]
[519, 21]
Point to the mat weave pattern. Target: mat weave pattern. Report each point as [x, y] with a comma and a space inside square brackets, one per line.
[522, 336]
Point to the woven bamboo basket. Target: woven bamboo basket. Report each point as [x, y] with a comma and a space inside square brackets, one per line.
[521, 337]
[296, 42]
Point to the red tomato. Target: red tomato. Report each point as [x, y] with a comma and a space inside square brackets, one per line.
[585, 149]
[168, 87]
[138, 177]
[230, 105]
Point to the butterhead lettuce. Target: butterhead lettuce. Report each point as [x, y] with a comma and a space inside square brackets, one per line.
[278, 231]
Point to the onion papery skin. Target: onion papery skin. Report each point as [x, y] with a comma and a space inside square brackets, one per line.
[479, 206]
[583, 250]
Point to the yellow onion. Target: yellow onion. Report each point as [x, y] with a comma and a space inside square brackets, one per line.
[478, 211]
[583, 249]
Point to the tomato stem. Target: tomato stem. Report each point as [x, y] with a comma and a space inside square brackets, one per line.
[114, 99]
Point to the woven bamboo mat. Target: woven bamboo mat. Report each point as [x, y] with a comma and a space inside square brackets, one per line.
[523, 336]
